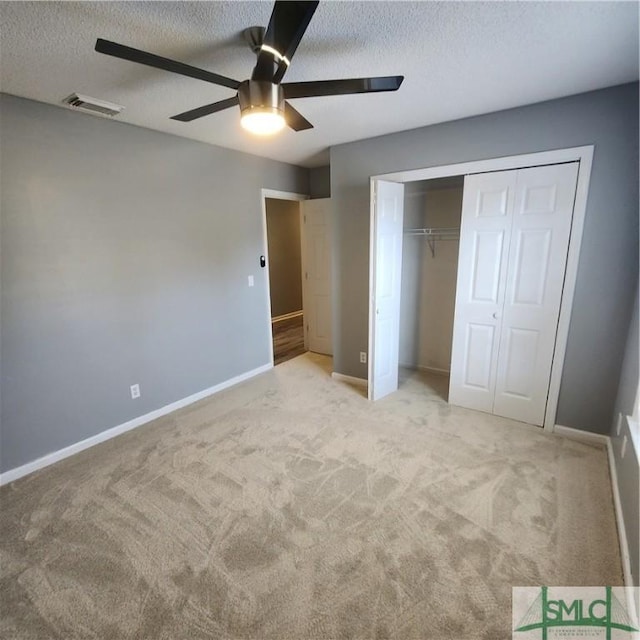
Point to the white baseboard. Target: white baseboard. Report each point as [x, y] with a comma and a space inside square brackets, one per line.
[578, 434]
[61, 454]
[599, 438]
[287, 316]
[341, 377]
[622, 532]
[633, 605]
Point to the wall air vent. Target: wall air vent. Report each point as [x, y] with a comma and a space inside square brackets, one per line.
[92, 105]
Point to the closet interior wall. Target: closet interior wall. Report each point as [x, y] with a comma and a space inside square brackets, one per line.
[429, 277]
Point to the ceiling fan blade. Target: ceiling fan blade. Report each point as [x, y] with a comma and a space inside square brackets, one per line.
[341, 87]
[152, 60]
[208, 109]
[289, 20]
[294, 119]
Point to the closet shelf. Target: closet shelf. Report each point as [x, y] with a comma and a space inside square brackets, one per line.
[434, 234]
[442, 232]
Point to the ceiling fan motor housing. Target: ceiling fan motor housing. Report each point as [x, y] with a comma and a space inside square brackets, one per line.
[262, 95]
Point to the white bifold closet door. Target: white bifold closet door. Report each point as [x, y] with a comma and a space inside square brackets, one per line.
[513, 250]
[385, 288]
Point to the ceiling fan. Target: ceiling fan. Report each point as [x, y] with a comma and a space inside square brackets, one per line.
[262, 99]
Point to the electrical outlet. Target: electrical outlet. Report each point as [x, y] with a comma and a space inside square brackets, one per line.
[363, 357]
[250, 280]
[623, 450]
[135, 391]
[619, 424]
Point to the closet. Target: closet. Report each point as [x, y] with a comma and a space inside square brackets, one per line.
[431, 233]
[483, 264]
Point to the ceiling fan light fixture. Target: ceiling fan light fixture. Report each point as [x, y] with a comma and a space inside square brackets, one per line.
[261, 107]
[262, 121]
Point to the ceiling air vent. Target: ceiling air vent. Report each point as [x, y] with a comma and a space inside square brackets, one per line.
[92, 105]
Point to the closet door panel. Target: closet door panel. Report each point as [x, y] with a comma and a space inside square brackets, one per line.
[532, 249]
[543, 211]
[521, 346]
[482, 267]
[386, 289]
[485, 267]
[479, 345]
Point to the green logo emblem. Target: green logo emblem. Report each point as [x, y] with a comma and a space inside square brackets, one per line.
[575, 612]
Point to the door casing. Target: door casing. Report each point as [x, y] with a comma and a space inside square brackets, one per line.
[583, 155]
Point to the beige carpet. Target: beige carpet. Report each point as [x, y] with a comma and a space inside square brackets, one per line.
[291, 508]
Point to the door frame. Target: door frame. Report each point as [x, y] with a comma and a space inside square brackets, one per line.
[583, 155]
[280, 195]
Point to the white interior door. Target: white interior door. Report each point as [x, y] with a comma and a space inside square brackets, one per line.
[539, 242]
[317, 274]
[386, 247]
[514, 240]
[485, 229]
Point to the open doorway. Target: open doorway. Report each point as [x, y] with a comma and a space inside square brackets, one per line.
[298, 257]
[284, 247]
[431, 234]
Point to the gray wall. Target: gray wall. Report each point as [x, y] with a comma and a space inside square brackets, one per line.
[627, 467]
[320, 182]
[285, 261]
[125, 256]
[608, 265]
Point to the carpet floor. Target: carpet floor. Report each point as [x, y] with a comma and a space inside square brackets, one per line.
[291, 508]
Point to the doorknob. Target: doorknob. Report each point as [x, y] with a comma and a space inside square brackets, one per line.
[496, 314]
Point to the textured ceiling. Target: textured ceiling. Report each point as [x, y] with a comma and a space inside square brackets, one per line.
[459, 59]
